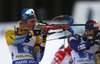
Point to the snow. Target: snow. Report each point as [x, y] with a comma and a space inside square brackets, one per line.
[4, 52]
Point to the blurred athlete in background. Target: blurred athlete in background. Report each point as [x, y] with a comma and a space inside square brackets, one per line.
[83, 48]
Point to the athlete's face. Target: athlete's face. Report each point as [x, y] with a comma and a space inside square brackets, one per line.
[90, 33]
[31, 22]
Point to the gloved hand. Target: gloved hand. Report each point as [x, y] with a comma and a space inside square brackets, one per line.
[98, 36]
[44, 35]
[94, 41]
[43, 42]
[35, 32]
[91, 39]
[97, 39]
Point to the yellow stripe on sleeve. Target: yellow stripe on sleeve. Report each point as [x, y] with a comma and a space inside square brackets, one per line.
[9, 34]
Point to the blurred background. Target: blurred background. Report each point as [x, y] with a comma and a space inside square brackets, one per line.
[80, 10]
[46, 9]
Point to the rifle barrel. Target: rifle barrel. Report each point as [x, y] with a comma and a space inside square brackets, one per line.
[74, 24]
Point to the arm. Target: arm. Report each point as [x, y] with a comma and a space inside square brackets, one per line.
[11, 39]
[78, 47]
[39, 48]
[37, 45]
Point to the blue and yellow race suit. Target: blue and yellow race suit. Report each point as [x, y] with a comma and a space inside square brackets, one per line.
[22, 52]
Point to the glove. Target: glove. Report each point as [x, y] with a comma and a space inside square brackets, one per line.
[35, 32]
[44, 35]
[43, 42]
[98, 36]
[97, 39]
[93, 41]
[90, 39]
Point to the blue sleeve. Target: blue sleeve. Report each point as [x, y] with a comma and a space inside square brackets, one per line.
[77, 46]
[19, 40]
[39, 55]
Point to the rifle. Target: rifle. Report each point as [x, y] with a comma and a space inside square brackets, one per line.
[48, 26]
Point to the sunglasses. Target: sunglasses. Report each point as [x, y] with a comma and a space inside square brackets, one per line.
[30, 11]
